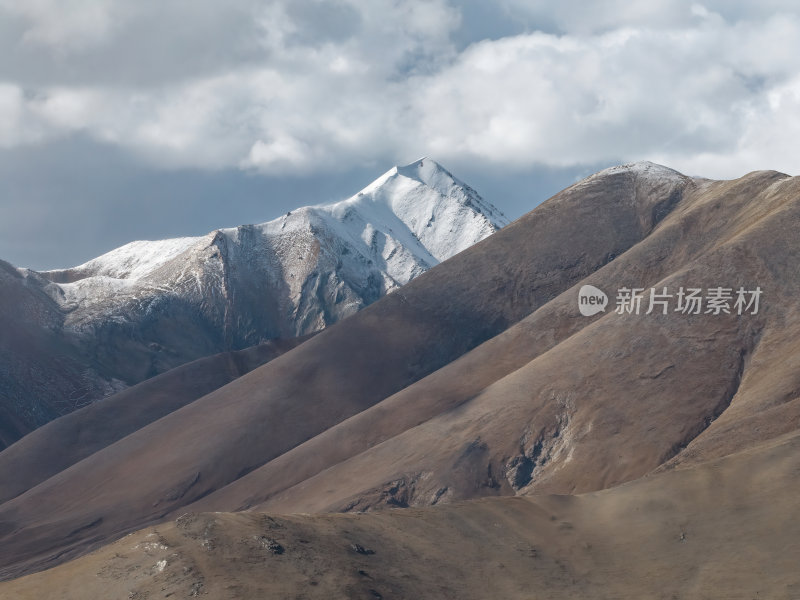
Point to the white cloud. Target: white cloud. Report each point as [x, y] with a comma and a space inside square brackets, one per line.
[11, 107]
[18, 124]
[710, 87]
[767, 140]
[280, 151]
[580, 17]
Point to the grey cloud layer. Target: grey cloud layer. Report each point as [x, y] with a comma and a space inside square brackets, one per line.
[288, 87]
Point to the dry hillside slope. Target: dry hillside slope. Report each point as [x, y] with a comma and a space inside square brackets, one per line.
[71, 438]
[726, 529]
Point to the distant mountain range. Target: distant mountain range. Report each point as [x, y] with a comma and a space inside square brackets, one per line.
[76, 335]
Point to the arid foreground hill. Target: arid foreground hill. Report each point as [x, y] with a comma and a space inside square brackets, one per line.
[648, 452]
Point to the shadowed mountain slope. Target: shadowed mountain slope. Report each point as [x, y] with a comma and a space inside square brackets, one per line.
[42, 373]
[71, 438]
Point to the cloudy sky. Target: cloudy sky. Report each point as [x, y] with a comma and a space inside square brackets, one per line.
[126, 120]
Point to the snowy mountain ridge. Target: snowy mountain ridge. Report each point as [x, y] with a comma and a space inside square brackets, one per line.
[290, 276]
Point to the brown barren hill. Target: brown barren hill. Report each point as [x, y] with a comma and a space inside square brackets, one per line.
[35, 358]
[724, 529]
[481, 377]
[69, 439]
[561, 403]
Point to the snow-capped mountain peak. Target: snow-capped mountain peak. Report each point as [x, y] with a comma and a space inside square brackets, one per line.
[428, 172]
[444, 215]
[289, 276]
